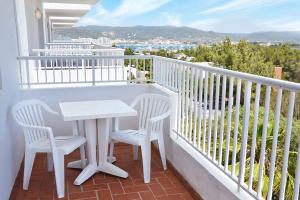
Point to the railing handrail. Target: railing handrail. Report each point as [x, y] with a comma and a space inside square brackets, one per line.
[83, 57]
[74, 50]
[67, 43]
[288, 85]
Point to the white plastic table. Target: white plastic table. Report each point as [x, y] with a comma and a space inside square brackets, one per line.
[96, 112]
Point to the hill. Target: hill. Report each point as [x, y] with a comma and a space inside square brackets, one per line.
[184, 34]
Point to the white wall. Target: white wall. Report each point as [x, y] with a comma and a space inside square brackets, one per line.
[11, 145]
[53, 96]
[34, 25]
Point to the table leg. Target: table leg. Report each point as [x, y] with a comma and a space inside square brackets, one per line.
[91, 168]
[103, 139]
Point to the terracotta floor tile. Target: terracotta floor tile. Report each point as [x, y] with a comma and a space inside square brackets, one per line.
[176, 190]
[170, 197]
[100, 186]
[104, 195]
[136, 188]
[164, 185]
[116, 188]
[157, 190]
[147, 196]
[186, 196]
[131, 196]
[82, 195]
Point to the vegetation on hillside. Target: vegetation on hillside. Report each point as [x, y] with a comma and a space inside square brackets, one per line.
[247, 57]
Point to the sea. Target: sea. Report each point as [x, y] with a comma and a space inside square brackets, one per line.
[153, 47]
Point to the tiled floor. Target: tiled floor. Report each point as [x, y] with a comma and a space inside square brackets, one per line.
[164, 185]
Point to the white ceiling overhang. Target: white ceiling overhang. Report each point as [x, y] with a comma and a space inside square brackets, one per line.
[65, 13]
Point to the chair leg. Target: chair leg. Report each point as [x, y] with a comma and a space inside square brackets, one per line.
[135, 152]
[111, 151]
[28, 164]
[58, 159]
[161, 147]
[82, 156]
[146, 156]
[49, 162]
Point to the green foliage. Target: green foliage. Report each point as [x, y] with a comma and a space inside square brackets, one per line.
[128, 51]
[251, 58]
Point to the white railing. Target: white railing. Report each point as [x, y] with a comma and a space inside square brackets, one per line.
[78, 52]
[240, 122]
[68, 45]
[90, 70]
[244, 124]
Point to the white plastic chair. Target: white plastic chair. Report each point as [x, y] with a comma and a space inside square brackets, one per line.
[40, 139]
[153, 109]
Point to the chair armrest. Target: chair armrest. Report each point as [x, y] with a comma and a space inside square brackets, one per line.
[45, 129]
[154, 120]
[49, 110]
[159, 118]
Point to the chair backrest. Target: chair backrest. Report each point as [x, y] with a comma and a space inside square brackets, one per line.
[151, 105]
[28, 113]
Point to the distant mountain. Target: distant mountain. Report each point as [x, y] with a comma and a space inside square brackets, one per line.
[184, 34]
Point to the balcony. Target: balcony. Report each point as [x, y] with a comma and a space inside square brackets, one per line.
[231, 135]
[226, 126]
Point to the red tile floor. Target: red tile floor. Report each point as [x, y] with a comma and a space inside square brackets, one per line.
[164, 185]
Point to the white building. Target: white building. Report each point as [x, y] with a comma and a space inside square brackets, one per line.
[201, 154]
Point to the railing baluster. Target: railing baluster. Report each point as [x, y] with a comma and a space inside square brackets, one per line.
[187, 92]
[61, 71]
[297, 174]
[211, 97]
[263, 142]
[37, 72]
[204, 111]
[179, 111]
[93, 72]
[123, 69]
[236, 124]
[108, 69]
[69, 69]
[274, 143]
[46, 69]
[216, 117]
[254, 134]
[243, 154]
[222, 118]
[27, 74]
[200, 109]
[228, 131]
[151, 69]
[287, 145]
[195, 108]
[116, 63]
[183, 100]
[53, 70]
[129, 69]
[191, 104]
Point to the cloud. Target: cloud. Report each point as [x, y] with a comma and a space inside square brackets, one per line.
[205, 24]
[128, 8]
[173, 20]
[134, 7]
[281, 25]
[235, 5]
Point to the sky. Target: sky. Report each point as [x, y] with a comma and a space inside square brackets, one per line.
[227, 16]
